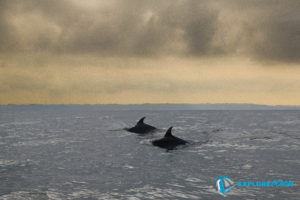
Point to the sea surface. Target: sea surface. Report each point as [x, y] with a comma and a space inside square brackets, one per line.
[83, 152]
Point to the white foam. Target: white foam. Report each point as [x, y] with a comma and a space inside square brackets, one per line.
[25, 195]
[220, 151]
[4, 163]
[176, 185]
[247, 166]
[127, 166]
[150, 192]
[22, 163]
[194, 180]
[39, 142]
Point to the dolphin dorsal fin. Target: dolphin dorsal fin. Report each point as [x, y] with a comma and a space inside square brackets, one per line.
[141, 121]
[169, 132]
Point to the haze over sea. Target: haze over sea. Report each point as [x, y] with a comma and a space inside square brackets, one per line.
[82, 152]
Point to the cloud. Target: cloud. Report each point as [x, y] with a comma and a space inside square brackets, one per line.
[131, 28]
[261, 30]
[281, 39]
[270, 30]
[6, 35]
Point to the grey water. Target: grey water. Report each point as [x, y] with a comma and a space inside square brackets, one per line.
[82, 152]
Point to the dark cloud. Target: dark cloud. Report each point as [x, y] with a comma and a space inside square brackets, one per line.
[199, 27]
[7, 40]
[281, 40]
[122, 28]
[270, 29]
[264, 30]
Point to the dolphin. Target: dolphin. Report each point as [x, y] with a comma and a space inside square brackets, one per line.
[141, 127]
[169, 141]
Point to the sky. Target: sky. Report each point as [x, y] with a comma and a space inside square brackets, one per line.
[149, 51]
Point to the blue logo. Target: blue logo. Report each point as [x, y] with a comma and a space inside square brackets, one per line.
[224, 184]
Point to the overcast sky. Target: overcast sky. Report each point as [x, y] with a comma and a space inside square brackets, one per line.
[150, 51]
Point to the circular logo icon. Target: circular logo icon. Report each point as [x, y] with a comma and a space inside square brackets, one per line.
[224, 184]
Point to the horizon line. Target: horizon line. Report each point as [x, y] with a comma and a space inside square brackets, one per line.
[141, 104]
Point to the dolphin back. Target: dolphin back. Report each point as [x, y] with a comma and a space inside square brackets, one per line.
[169, 141]
[141, 127]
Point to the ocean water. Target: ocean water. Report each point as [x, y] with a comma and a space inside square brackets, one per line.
[82, 152]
